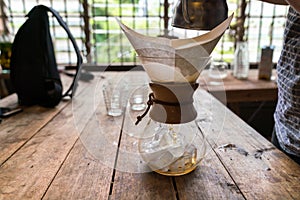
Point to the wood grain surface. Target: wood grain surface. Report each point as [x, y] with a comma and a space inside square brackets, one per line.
[76, 151]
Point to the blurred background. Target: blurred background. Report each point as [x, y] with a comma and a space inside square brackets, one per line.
[93, 24]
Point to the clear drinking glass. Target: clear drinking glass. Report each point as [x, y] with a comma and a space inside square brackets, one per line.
[217, 71]
[138, 98]
[114, 99]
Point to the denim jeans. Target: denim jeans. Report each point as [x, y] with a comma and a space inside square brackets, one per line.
[274, 140]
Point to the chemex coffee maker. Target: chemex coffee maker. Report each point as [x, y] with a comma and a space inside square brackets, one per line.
[171, 142]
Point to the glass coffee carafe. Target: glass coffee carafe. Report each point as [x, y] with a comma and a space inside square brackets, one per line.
[172, 143]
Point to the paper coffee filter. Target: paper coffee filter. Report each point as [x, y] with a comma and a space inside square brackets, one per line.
[170, 69]
[175, 60]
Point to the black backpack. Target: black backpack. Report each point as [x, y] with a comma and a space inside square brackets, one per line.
[34, 72]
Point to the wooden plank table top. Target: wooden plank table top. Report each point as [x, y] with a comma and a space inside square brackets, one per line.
[76, 151]
[232, 90]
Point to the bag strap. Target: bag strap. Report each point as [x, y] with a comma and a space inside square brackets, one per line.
[71, 91]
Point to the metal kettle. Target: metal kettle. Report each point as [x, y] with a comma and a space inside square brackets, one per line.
[199, 14]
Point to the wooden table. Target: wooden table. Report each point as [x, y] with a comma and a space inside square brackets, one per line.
[235, 93]
[76, 151]
[232, 90]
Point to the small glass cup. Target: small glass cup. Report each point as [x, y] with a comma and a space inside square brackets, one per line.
[113, 97]
[138, 98]
[217, 72]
